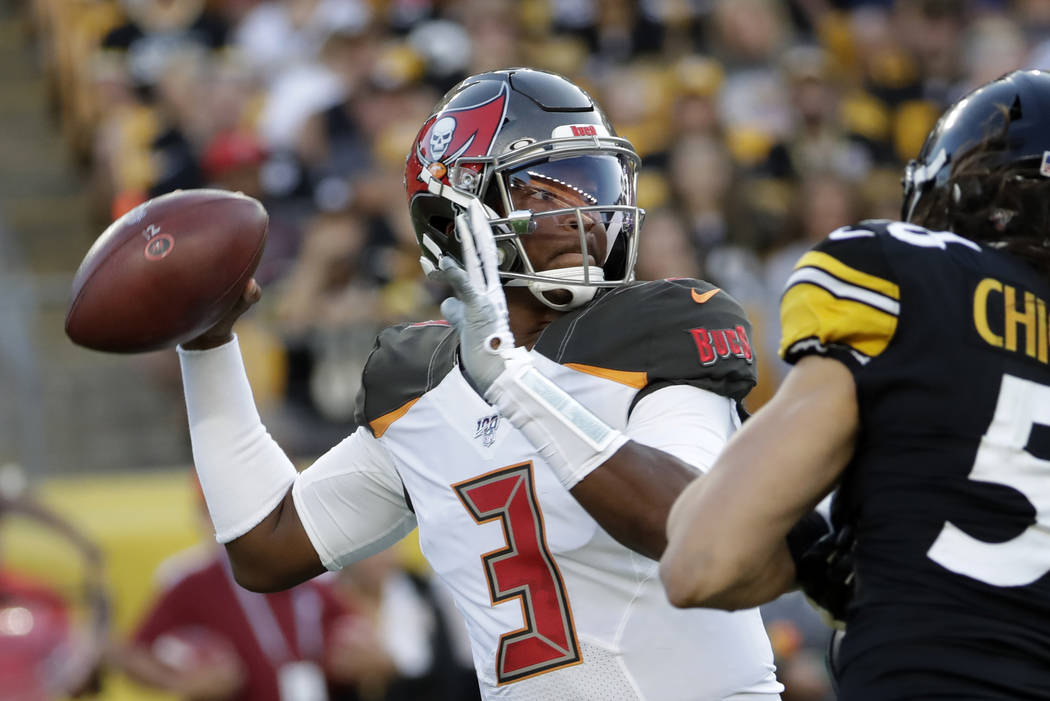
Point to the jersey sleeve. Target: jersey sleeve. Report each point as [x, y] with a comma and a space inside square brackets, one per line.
[691, 424]
[842, 300]
[351, 501]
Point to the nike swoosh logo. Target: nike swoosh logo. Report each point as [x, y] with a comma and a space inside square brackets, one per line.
[701, 297]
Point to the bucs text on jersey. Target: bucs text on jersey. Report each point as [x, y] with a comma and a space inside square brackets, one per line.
[555, 607]
[949, 488]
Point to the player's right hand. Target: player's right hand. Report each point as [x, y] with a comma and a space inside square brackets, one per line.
[222, 332]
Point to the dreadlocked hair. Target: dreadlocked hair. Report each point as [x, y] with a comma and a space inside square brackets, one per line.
[1004, 206]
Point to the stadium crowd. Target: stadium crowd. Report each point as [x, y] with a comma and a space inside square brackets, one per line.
[762, 126]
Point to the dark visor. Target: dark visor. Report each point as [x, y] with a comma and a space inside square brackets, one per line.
[575, 181]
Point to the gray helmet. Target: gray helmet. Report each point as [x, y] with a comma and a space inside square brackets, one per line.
[507, 129]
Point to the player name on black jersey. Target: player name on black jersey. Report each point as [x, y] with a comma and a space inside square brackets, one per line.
[1003, 314]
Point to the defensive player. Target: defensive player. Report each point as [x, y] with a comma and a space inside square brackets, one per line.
[921, 388]
[544, 513]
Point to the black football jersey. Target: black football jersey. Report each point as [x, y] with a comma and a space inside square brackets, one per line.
[645, 335]
[949, 488]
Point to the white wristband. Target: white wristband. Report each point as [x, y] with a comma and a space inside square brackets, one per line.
[243, 473]
[566, 434]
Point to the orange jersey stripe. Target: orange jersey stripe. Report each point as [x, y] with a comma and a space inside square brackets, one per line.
[624, 377]
[380, 425]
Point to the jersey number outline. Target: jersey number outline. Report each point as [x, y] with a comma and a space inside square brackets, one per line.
[1002, 459]
[524, 569]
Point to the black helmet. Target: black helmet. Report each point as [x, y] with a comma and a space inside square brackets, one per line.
[1014, 109]
[507, 129]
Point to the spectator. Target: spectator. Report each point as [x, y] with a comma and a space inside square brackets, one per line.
[746, 37]
[407, 642]
[665, 250]
[45, 654]
[206, 638]
[155, 29]
[818, 141]
[280, 34]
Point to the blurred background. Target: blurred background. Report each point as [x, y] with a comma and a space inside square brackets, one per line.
[762, 125]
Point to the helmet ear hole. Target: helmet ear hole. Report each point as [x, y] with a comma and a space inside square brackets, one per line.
[448, 226]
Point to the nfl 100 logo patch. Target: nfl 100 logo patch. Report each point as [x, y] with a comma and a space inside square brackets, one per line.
[486, 429]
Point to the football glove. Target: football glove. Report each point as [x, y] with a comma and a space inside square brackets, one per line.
[479, 309]
[569, 437]
[825, 574]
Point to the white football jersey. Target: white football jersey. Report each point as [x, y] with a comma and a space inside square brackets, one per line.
[556, 609]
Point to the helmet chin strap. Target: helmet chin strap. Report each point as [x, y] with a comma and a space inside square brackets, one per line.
[579, 294]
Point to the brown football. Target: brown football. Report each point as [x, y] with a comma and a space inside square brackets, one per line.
[166, 271]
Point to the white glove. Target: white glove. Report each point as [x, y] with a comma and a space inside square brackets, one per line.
[480, 312]
[568, 436]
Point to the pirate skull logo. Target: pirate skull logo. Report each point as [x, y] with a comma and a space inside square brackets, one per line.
[441, 137]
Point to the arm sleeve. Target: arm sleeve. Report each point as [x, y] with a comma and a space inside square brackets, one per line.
[690, 423]
[351, 501]
[243, 473]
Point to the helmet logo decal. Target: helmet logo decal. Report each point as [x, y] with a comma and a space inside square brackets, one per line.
[441, 136]
[457, 132]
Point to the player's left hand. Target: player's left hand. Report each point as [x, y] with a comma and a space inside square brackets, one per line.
[479, 309]
[571, 439]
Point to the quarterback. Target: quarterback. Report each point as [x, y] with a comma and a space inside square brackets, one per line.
[537, 437]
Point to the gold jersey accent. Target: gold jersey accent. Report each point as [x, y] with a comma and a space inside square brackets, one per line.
[630, 378]
[380, 425]
[827, 301]
[1024, 316]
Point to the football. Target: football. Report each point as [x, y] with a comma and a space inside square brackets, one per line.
[166, 271]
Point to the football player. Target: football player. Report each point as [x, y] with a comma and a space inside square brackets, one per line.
[921, 389]
[537, 441]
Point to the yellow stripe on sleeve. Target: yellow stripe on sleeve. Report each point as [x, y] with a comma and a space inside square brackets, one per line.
[808, 311]
[819, 259]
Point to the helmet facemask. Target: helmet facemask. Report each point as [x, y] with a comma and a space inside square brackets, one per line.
[586, 184]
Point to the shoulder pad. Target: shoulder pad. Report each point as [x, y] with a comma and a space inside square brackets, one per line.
[843, 297]
[677, 331]
[406, 361]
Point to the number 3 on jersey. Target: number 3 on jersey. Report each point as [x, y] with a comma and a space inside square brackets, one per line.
[1002, 458]
[524, 569]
